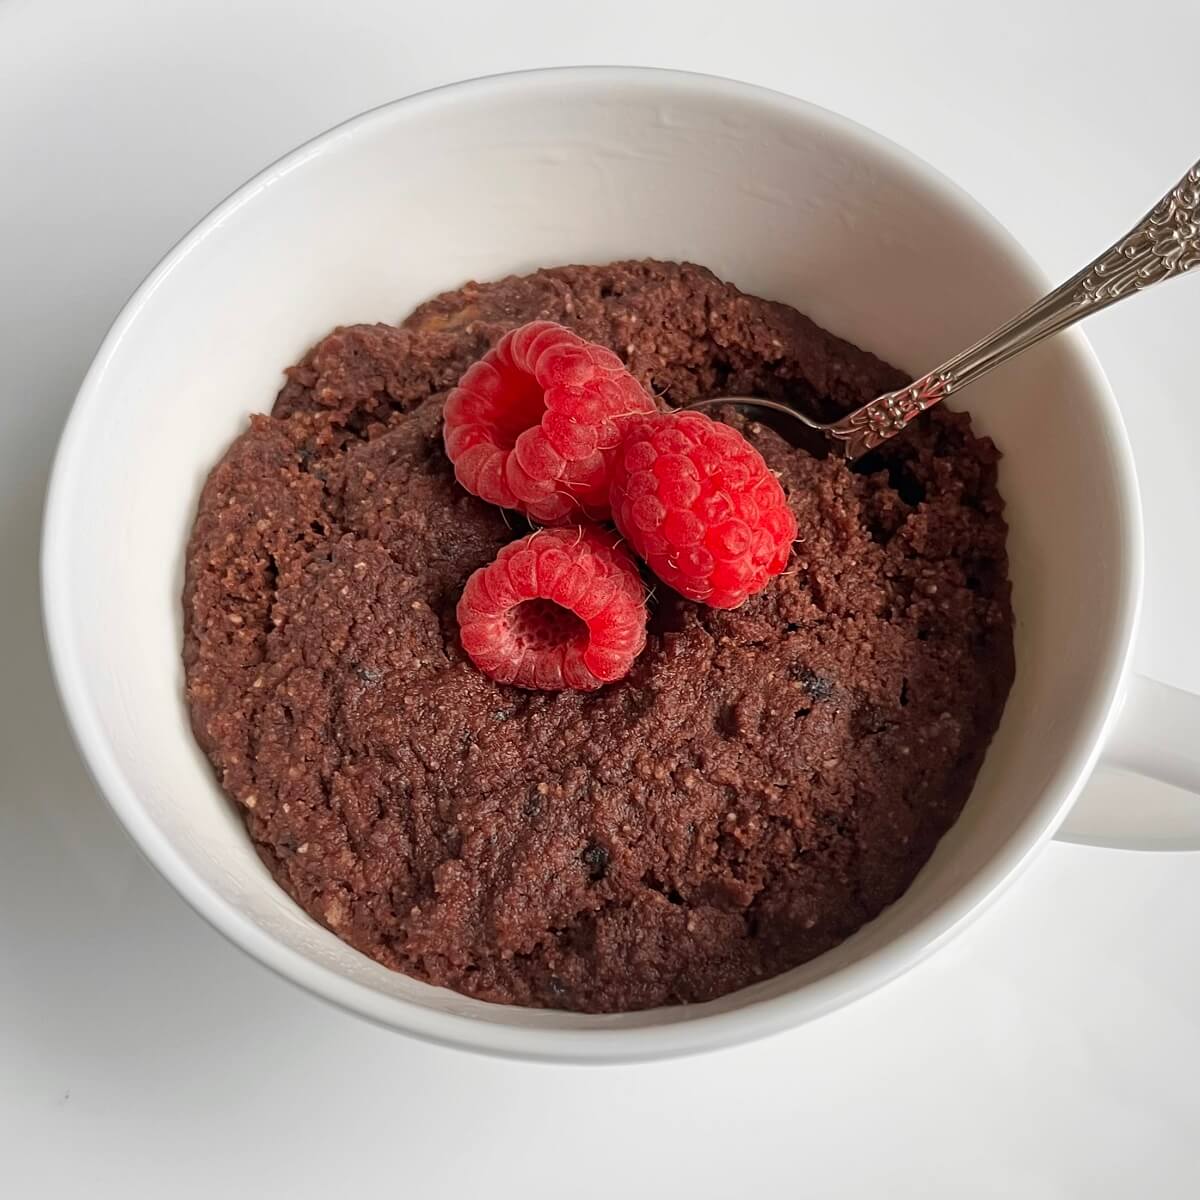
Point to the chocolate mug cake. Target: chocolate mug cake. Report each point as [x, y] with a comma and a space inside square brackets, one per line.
[764, 779]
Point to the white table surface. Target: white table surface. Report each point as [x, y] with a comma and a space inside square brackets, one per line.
[1050, 1052]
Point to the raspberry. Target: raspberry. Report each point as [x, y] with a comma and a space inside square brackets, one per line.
[561, 608]
[698, 503]
[535, 423]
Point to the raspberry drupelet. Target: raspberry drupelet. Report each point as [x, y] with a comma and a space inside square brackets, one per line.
[535, 424]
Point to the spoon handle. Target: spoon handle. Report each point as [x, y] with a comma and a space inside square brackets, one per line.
[1164, 244]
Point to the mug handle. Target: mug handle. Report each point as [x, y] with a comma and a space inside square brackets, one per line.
[1157, 736]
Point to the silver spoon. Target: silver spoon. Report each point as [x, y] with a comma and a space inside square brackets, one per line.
[1164, 244]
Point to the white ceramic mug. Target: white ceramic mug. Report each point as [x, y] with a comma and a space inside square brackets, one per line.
[581, 165]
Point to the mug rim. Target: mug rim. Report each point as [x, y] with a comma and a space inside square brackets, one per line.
[747, 1022]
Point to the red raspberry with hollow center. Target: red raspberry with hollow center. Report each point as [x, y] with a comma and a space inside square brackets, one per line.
[535, 423]
[561, 608]
[698, 503]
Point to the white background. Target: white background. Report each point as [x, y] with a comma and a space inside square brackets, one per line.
[1052, 1051]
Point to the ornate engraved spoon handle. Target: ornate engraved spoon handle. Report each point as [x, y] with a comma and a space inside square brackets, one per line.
[1165, 244]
